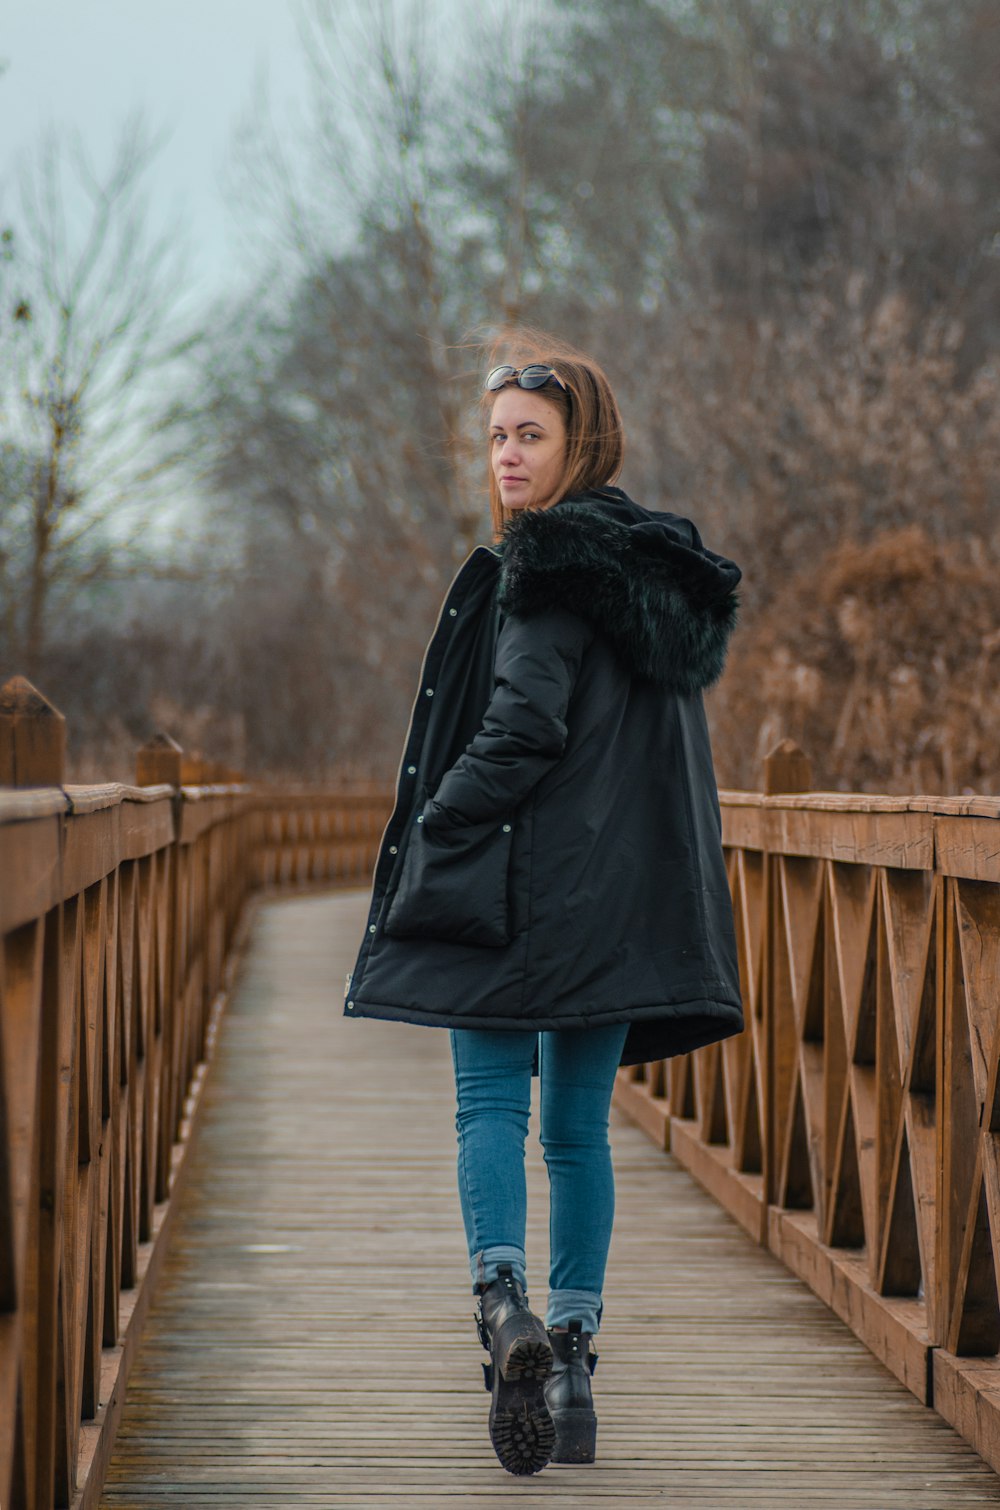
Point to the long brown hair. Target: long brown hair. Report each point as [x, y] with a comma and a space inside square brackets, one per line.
[595, 439]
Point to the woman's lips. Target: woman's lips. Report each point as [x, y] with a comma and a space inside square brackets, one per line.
[512, 479]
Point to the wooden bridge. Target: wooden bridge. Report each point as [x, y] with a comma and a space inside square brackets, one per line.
[216, 1189]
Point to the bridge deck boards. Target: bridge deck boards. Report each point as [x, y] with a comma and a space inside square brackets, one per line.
[312, 1345]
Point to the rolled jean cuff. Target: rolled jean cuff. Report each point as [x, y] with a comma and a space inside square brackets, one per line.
[484, 1265]
[574, 1305]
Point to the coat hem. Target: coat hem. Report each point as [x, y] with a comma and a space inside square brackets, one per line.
[726, 1016]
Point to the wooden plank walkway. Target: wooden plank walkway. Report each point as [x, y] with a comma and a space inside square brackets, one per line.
[312, 1342]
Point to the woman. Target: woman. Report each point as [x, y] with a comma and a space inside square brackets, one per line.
[551, 884]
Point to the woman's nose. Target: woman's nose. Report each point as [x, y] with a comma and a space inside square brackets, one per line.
[509, 451]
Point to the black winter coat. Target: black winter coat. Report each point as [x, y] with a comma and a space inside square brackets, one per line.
[554, 856]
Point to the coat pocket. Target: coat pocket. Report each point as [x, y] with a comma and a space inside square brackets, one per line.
[453, 886]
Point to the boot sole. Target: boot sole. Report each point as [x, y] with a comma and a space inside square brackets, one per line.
[576, 1436]
[521, 1428]
[521, 1346]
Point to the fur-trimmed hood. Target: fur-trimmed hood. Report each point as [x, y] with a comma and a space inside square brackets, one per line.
[645, 580]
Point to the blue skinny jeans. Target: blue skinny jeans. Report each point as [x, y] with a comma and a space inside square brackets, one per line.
[493, 1087]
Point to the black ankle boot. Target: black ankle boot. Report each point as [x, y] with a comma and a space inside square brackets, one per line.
[568, 1395]
[520, 1362]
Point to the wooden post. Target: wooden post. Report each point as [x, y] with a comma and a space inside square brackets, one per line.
[787, 769]
[158, 762]
[32, 737]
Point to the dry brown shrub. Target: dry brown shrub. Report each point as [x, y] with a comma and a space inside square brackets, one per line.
[882, 660]
[846, 418]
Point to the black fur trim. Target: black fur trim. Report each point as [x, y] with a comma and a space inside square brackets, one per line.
[667, 605]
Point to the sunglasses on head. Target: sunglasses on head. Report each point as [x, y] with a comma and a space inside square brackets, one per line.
[535, 375]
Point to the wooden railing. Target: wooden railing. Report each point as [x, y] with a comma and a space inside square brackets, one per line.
[120, 908]
[853, 1128]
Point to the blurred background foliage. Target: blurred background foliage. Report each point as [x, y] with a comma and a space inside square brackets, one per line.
[776, 224]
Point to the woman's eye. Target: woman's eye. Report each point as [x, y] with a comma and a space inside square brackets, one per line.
[498, 439]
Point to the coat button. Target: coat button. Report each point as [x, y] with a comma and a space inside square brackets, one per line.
[393, 850]
[411, 770]
[420, 819]
[506, 828]
[453, 612]
[350, 1006]
[371, 927]
[429, 691]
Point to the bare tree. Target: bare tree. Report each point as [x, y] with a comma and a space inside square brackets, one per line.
[91, 305]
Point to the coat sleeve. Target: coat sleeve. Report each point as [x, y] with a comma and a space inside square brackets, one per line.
[523, 732]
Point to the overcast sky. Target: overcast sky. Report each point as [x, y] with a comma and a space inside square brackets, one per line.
[191, 64]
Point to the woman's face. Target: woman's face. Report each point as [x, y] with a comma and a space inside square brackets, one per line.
[527, 447]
